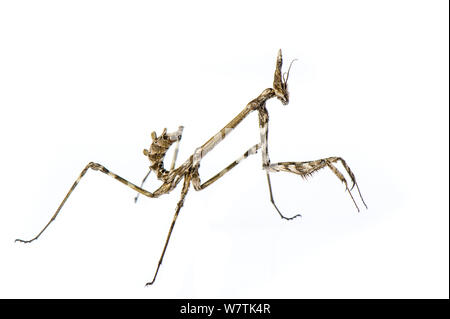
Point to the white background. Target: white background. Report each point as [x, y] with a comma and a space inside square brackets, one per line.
[88, 81]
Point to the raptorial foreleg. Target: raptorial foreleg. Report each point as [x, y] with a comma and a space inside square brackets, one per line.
[306, 169]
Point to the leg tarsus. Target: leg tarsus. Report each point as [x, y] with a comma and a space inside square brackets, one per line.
[273, 201]
[150, 283]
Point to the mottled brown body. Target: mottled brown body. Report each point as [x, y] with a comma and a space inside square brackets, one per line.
[188, 171]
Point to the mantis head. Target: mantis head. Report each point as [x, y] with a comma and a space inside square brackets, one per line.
[280, 82]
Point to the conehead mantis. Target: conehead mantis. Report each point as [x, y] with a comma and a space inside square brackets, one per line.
[188, 172]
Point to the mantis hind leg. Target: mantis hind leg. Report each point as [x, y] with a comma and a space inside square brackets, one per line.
[180, 203]
[95, 167]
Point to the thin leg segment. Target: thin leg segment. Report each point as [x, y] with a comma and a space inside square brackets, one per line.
[184, 191]
[175, 153]
[263, 116]
[196, 178]
[95, 167]
[142, 184]
[273, 202]
[306, 169]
